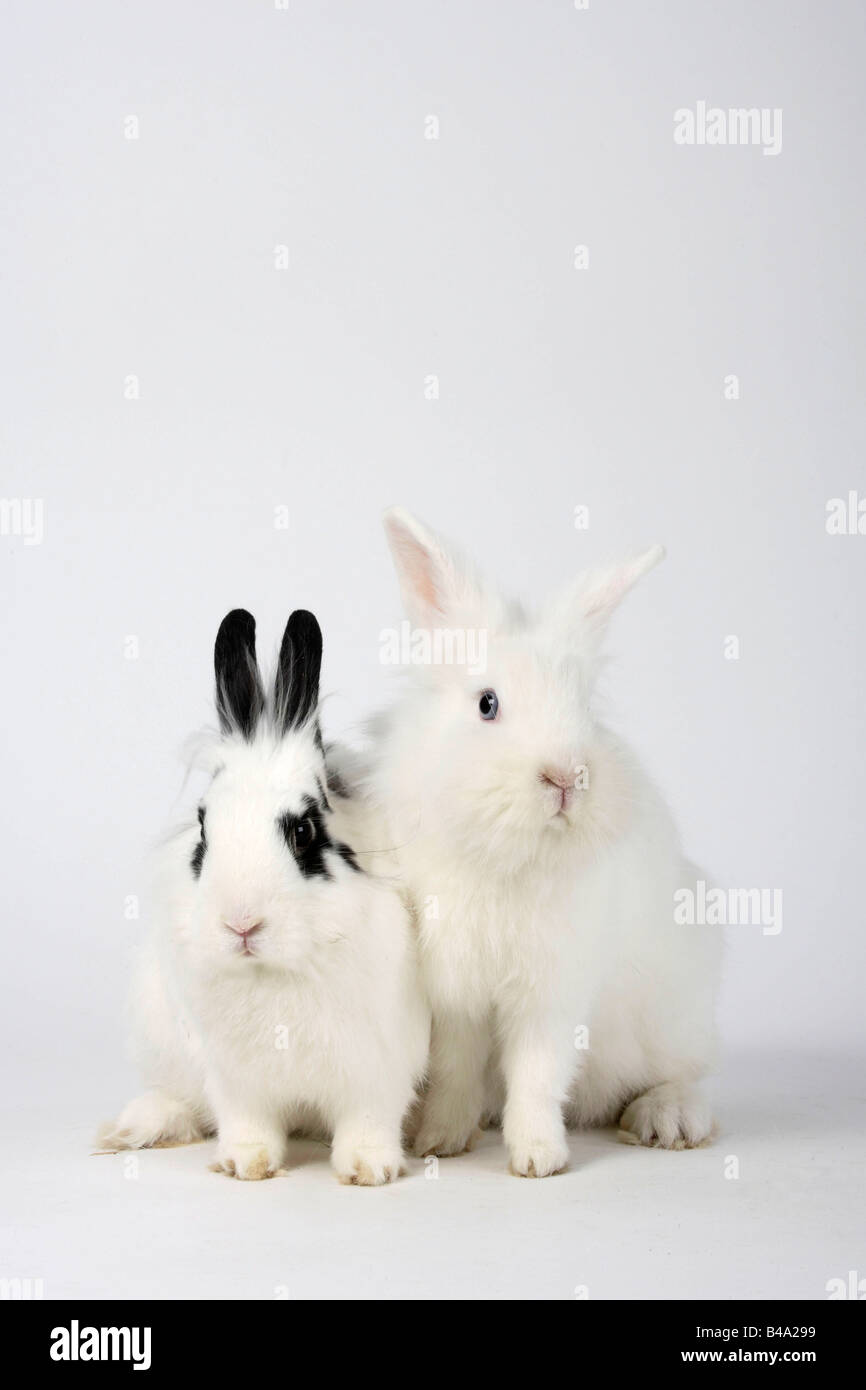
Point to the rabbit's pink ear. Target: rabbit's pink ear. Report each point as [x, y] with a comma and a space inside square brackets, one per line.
[589, 602]
[429, 579]
[601, 591]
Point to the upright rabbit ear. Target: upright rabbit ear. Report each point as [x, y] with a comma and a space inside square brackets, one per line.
[588, 603]
[438, 585]
[601, 591]
[240, 697]
[296, 684]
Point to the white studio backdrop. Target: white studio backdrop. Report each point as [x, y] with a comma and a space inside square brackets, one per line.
[268, 270]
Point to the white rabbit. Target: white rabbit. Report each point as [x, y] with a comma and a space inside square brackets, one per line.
[543, 865]
[280, 986]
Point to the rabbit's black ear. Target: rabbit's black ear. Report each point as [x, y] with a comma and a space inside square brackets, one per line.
[296, 685]
[240, 697]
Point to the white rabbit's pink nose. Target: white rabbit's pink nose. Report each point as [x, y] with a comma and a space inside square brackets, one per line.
[564, 782]
[244, 926]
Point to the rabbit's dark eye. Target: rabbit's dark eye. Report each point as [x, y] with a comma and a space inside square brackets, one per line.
[488, 705]
[307, 837]
[303, 834]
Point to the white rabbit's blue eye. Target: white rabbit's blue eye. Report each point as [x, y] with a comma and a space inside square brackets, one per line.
[488, 705]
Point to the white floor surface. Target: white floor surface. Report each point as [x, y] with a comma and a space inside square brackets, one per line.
[623, 1223]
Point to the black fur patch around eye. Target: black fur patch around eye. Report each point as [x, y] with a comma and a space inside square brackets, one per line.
[311, 859]
[195, 862]
[348, 856]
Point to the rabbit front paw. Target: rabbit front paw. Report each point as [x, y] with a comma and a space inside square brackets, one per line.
[539, 1159]
[366, 1160]
[537, 1143]
[250, 1160]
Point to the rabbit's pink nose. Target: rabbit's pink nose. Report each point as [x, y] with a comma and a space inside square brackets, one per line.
[564, 782]
[243, 926]
[558, 778]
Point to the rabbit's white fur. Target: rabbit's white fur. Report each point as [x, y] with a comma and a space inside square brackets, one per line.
[539, 919]
[324, 1023]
